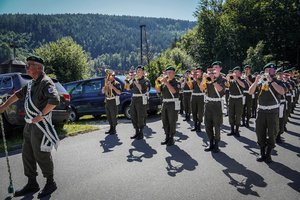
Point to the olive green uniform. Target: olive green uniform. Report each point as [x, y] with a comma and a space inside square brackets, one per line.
[267, 120]
[282, 112]
[43, 92]
[247, 107]
[138, 110]
[235, 103]
[213, 111]
[187, 93]
[197, 105]
[169, 115]
[111, 107]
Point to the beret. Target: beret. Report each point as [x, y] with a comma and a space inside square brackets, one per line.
[35, 59]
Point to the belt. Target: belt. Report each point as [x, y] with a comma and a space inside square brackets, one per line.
[268, 107]
[282, 100]
[198, 94]
[288, 94]
[186, 91]
[170, 100]
[212, 99]
[236, 96]
[138, 95]
[110, 98]
[246, 92]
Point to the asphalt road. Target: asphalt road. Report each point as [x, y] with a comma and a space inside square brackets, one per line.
[99, 166]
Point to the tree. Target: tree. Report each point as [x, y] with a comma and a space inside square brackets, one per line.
[65, 59]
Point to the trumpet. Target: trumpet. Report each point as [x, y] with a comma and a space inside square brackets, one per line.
[158, 81]
[108, 92]
[264, 82]
[130, 76]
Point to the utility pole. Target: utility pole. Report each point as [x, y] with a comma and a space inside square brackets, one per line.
[141, 27]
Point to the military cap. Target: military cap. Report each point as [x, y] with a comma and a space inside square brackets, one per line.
[170, 68]
[237, 68]
[287, 71]
[279, 70]
[140, 67]
[216, 63]
[230, 71]
[255, 73]
[269, 65]
[35, 59]
[247, 66]
[200, 68]
[188, 71]
[293, 68]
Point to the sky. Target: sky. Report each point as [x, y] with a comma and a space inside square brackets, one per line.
[174, 9]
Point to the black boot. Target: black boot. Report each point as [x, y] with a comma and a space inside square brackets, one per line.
[278, 139]
[247, 124]
[171, 141]
[237, 132]
[232, 131]
[140, 135]
[188, 118]
[109, 131]
[185, 119]
[113, 130]
[284, 128]
[262, 156]
[268, 155]
[198, 127]
[211, 146]
[136, 134]
[195, 126]
[166, 140]
[216, 147]
[31, 187]
[49, 188]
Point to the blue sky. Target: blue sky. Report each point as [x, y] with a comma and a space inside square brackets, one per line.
[175, 9]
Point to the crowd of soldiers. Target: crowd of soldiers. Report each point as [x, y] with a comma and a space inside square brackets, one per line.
[269, 96]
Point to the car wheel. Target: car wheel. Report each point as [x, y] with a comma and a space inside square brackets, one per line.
[127, 111]
[73, 115]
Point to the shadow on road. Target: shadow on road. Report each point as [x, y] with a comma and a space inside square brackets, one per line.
[204, 137]
[179, 136]
[290, 147]
[179, 161]
[249, 144]
[109, 142]
[245, 183]
[293, 133]
[142, 150]
[288, 173]
[148, 132]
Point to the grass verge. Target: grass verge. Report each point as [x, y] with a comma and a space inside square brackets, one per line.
[15, 141]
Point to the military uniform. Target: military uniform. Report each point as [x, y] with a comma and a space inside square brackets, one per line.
[111, 107]
[267, 120]
[187, 93]
[197, 105]
[235, 106]
[247, 107]
[213, 113]
[138, 106]
[169, 114]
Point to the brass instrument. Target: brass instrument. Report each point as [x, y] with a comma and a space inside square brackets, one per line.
[108, 91]
[264, 82]
[129, 78]
[158, 81]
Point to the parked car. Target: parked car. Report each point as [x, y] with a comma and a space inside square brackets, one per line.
[14, 115]
[87, 98]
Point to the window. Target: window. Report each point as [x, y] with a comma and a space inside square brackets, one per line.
[92, 87]
[6, 82]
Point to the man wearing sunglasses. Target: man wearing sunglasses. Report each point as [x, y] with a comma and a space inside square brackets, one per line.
[41, 97]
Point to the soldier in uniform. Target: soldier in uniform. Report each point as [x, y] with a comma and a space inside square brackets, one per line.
[227, 94]
[254, 99]
[248, 98]
[235, 100]
[169, 113]
[112, 90]
[41, 97]
[213, 112]
[139, 87]
[187, 93]
[283, 105]
[197, 100]
[268, 110]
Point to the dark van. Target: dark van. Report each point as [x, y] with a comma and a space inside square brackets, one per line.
[14, 115]
[87, 98]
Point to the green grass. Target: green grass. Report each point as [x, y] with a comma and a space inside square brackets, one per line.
[15, 141]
